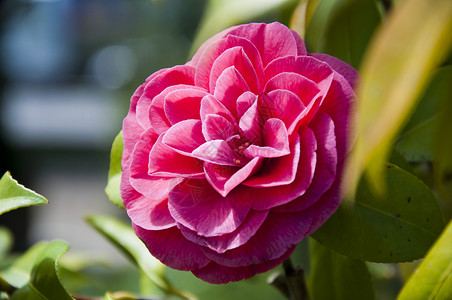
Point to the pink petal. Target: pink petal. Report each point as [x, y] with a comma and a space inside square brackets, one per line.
[172, 76]
[216, 127]
[278, 171]
[237, 58]
[157, 116]
[284, 105]
[164, 161]
[344, 69]
[266, 198]
[272, 40]
[217, 274]
[152, 187]
[216, 48]
[229, 86]
[130, 127]
[275, 139]
[149, 213]
[184, 137]
[220, 244]
[326, 168]
[217, 152]
[307, 66]
[304, 88]
[251, 126]
[278, 234]
[172, 249]
[224, 179]
[244, 102]
[197, 206]
[211, 106]
[183, 104]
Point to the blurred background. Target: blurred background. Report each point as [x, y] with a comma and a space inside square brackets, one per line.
[68, 69]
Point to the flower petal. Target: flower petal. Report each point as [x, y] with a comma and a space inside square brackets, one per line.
[172, 249]
[217, 152]
[217, 274]
[228, 87]
[224, 178]
[197, 206]
[216, 127]
[349, 73]
[172, 76]
[278, 171]
[251, 125]
[211, 106]
[166, 162]
[184, 137]
[221, 244]
[244, 102]
[275, 141]
[183, 104]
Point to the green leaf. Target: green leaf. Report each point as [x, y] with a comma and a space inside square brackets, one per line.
[338, 277]
[44, 282]
[18, 274]
[343, 28]
[14, 196]
[123, 237]
[433, 277]
[114, 174]
[6, 241]
[398, 226]
[395, 71]
[119, 296]
[220, 14]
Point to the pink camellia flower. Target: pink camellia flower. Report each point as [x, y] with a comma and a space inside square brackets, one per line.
[232, 159]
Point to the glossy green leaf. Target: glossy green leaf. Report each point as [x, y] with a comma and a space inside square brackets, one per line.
[123, 237]
[433, 277]
[18, 274]
[343, 28]
[220, 14]
[398, 226]
[395, 71]
[338, 277]
[114, 174]
[44, 282]
[6, 241]
[14, 196]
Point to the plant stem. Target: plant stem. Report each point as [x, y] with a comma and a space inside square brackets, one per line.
[291, 283]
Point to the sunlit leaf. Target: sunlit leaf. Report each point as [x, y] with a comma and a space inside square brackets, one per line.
[114, 174]
[44, 282]
[398, 226]
[14, 196]
[119, 296]
[343, 28]
[395, 71]
[335, 276]
[298, 19]
[123, 237]
[220, 14]
[18, 274]
[433, 278]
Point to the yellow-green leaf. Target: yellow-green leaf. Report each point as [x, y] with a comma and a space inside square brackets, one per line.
[114, 174]
[433, 278]
[397, 67]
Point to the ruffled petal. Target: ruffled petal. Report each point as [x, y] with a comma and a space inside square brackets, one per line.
[164, 161]
[197, 206]
[224, 178]
[217, 274]
[251, 125]
[183, 104]
[172, 249]
[275, 141]
[347, 71]
[184, 137]
[237, 58]
[244, 102]
[228, 87]
[211, 106]
[278, 234]
[271, 40]
[217, 152]
[278, 171]
[216, 127]
[172, 76]
[221, 244]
